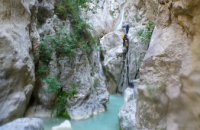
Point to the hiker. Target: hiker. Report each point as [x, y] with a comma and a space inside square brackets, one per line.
[125, 38]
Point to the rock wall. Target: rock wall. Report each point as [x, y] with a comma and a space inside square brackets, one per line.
[83, 71]
[120, 66]
[23, 24]
[169, 91]
[92, 91]
[127, 118]
[17, 67]
[102, 15]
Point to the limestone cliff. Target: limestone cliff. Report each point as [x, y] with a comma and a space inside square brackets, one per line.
[167, 96]
[17, 68]
[80, 72]
[23, 25]
[169, 91]
[119, 66]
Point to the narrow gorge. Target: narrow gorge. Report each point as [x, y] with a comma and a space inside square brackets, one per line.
[99, 65]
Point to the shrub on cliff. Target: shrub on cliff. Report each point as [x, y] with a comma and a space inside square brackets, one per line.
[145, 34]
[64, 43]
[69, 8]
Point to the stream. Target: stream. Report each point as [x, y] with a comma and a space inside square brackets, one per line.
[104, 121]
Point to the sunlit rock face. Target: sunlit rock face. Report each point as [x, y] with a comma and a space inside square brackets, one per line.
[102, 15]
[169, 92]
[16, 63]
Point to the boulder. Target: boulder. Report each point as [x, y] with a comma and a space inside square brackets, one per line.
[24, 124]
[66, 125]
[127, 114]
[112, 50]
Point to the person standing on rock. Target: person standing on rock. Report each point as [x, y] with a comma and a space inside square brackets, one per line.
[125, 38]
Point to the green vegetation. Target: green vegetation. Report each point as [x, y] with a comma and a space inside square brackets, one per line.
[69, 8]
[62, 103]
[145, 34]
[81, 30]
[53, 84]
[42, 71]
[64, 43]
[54, 87]
[45, 51]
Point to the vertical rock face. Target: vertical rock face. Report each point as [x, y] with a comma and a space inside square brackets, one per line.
[102, 15]
[82, 72]
[92, 92]
[127, 113]
[169, 92]
[112, 50]
[16, 64]
[120, 66]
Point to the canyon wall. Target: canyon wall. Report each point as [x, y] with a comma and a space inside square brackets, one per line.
[17, 68]
[168, 96]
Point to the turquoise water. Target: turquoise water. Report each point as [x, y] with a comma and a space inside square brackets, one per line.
[104, 121]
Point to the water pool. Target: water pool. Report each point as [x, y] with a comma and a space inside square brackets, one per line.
[104, 121]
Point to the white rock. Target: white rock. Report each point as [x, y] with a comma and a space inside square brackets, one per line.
[24, 124]
[127, 120]
[16, 63]
[66, 125]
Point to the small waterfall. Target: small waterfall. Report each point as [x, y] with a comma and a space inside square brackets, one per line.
[101, 73]
[120, 20]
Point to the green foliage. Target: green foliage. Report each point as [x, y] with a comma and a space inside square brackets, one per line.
[145, 34]
[64, 43]
[62, 95]
[61, 105]
[53, 84]
[43, 70]
[81, 35]
[62, 102]
[45, 50]
[69, 8]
